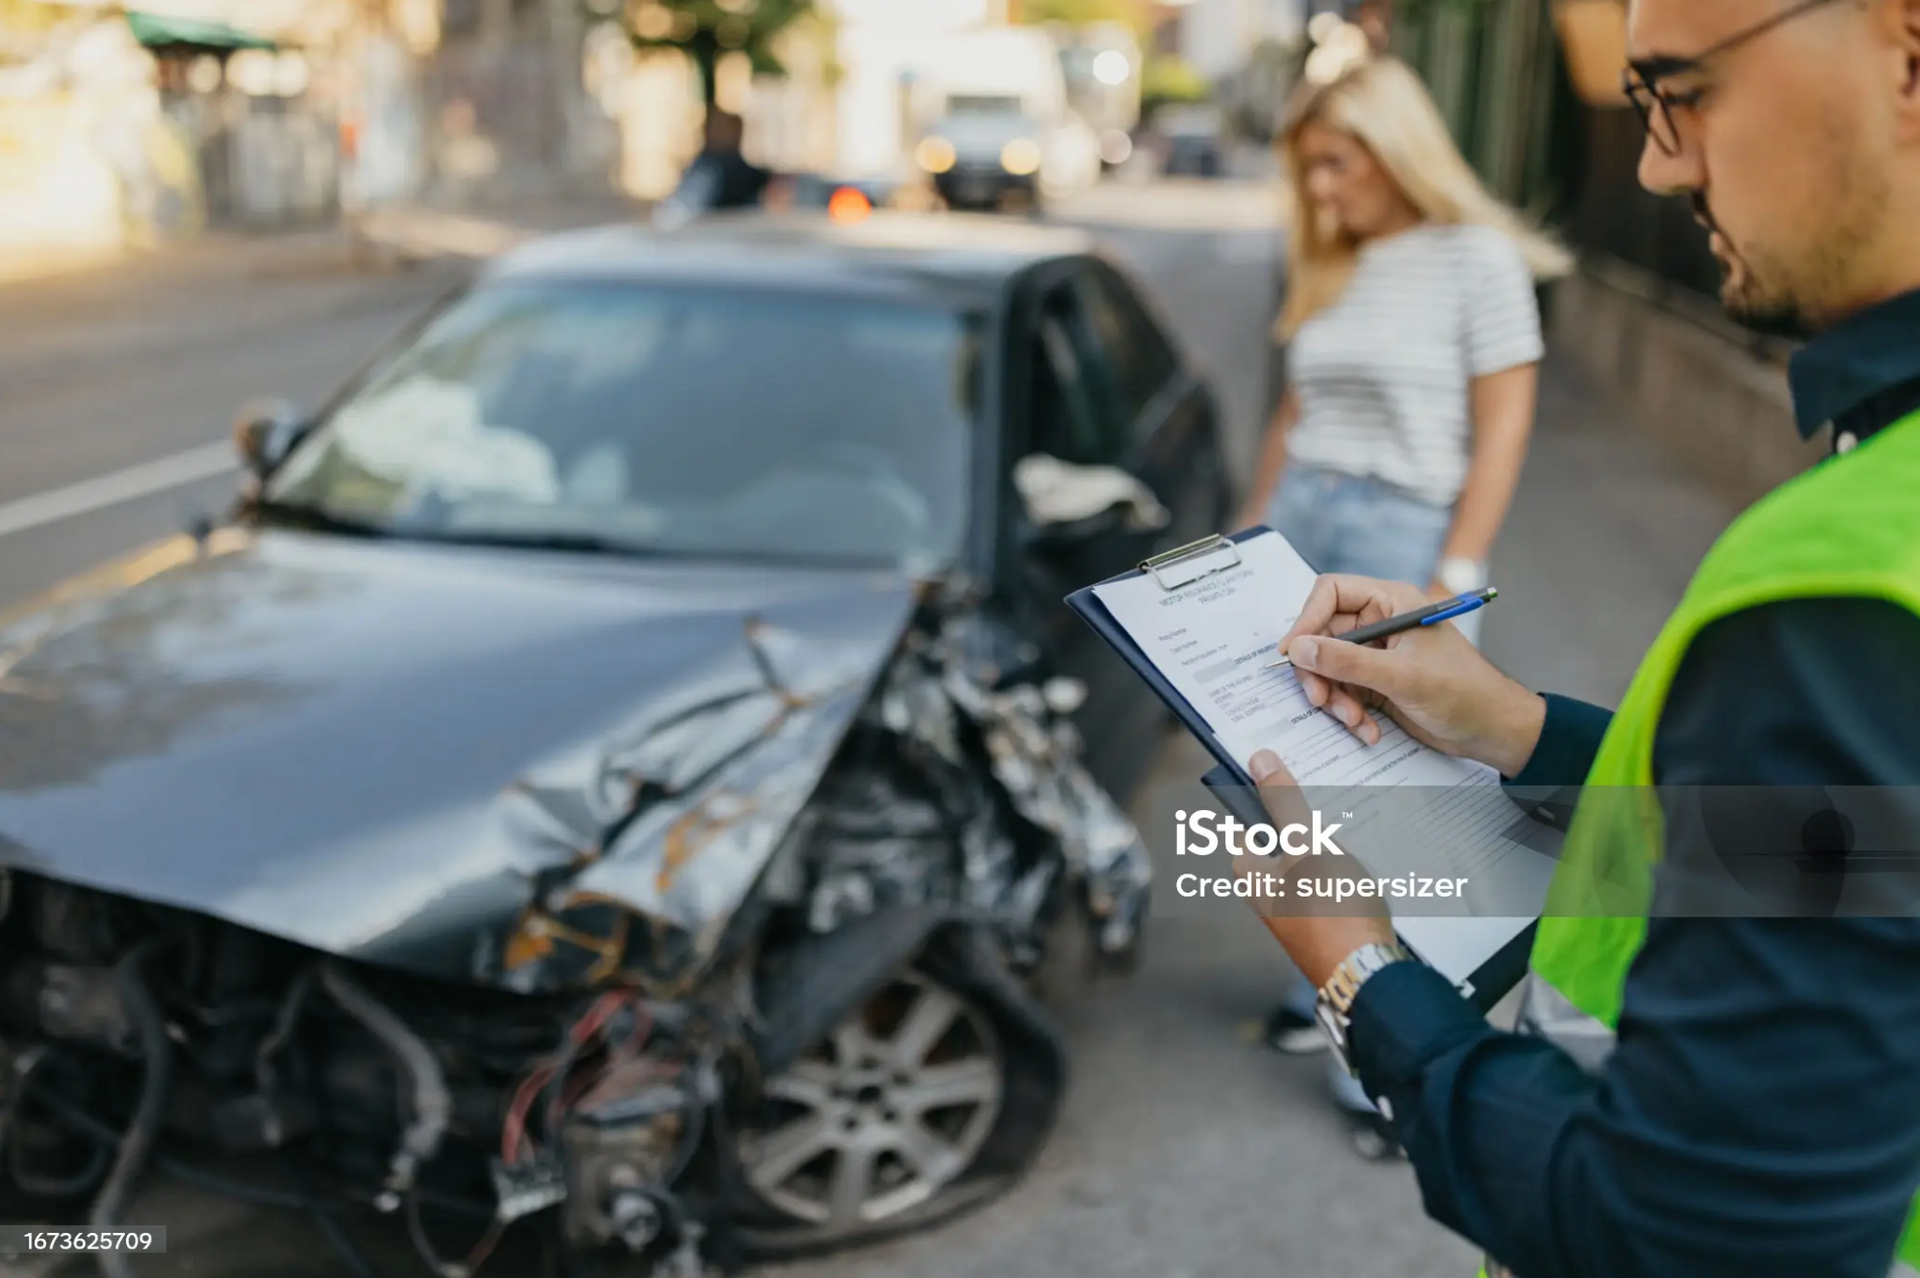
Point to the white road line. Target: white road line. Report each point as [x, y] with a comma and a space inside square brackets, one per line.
[122, 485]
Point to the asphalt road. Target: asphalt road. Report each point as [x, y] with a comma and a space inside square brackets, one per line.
[117, 395]
[1185, 1151]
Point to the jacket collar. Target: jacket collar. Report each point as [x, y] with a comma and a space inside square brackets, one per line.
[1861, 374]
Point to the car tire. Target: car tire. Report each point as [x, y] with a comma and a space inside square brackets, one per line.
[854, 1106]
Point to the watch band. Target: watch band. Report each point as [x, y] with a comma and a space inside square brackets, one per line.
[1334, 1006]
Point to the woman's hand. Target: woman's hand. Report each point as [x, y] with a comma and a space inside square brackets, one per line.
[1430, 680]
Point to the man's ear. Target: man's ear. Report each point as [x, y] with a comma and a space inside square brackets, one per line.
[1903, 23]
[1898, 23]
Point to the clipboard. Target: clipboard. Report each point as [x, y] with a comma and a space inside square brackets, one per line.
[1229, 782]
[1171, 570]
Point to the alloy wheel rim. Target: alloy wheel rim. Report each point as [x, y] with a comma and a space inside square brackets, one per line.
[885, 1114]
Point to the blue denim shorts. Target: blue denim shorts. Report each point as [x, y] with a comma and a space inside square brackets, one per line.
[1352, 524]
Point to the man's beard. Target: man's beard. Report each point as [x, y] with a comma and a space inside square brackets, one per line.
[1796, 296]
[1744, 293]
[1758, 312]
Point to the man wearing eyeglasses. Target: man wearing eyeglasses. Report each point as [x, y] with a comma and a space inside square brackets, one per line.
[1718, 1069]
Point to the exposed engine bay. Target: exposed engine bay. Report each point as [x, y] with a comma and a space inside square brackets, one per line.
[806, 1017]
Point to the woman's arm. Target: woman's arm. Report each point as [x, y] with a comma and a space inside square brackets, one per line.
[1273, 460]
[1503, 404]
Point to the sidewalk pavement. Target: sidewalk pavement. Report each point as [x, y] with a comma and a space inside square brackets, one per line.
[1606, 530]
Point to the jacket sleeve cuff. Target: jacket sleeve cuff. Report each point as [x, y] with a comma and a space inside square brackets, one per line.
[1569, 742]
[1405, 1017]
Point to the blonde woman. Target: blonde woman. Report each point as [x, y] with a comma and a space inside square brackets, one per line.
[1413, 345]
[1413, 340]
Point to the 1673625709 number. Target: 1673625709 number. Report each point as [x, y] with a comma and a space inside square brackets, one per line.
[25, 1239]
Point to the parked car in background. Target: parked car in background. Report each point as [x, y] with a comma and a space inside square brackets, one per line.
[1191, 139]
[985, 154]
[622, 779]
[996, 125]
[852, 195]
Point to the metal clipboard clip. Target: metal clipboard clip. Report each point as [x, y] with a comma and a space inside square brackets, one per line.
[1187, 555]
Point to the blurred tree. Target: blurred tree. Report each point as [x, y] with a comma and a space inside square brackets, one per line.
[1137, 14]
[708, 30]
[1168, 78]
[23, 24]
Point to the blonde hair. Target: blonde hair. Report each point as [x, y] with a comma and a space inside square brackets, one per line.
[1382, 104]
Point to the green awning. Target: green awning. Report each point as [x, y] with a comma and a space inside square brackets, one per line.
[157, 31]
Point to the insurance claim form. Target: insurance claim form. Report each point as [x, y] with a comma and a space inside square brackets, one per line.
[1213, 632]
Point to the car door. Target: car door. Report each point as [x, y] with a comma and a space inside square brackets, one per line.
[1170, 416]
[1167, 421]
[1053, 409]
[1104, 391]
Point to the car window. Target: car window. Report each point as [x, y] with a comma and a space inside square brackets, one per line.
[669, 420]
[1069, 421]
[1131, 357]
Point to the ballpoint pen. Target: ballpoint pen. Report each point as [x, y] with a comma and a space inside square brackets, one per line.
[1431, 615]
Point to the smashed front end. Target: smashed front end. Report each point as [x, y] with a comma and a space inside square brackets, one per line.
[752, 975]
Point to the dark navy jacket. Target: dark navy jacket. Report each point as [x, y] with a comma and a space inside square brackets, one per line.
[1760, 1115]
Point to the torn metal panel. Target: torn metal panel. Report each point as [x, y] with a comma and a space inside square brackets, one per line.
[1033, 753]
[1036, 755]
[712, 786]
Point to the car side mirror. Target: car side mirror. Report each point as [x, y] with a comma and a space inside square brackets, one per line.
[264, 431]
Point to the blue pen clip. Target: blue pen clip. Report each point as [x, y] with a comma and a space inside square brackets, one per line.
[1465, 605]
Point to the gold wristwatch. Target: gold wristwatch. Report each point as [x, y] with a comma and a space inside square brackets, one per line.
[1334, 1005]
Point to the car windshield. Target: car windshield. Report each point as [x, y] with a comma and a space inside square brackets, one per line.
[659, 421]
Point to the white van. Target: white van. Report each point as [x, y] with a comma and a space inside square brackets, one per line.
[998, 128]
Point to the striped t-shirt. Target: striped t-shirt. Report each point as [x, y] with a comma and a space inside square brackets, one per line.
[1383, 374]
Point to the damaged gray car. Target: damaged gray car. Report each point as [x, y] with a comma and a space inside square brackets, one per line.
[620, 782]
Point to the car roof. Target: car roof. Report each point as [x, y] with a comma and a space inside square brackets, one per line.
[952, 259]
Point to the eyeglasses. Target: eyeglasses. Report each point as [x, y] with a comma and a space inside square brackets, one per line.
[1655, 106]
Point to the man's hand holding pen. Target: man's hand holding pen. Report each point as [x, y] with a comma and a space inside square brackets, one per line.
[1429, 680]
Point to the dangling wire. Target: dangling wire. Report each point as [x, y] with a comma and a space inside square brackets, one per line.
[156, 1058]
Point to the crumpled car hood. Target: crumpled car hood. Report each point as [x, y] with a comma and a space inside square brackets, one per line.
[533, 770]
